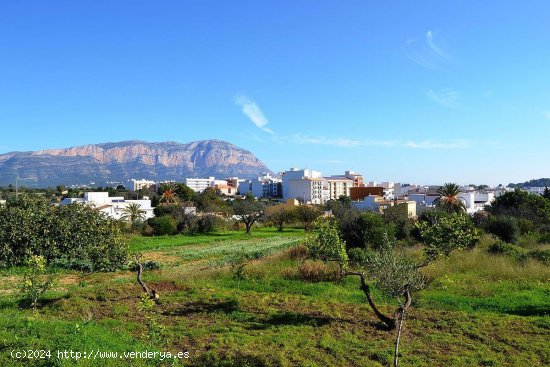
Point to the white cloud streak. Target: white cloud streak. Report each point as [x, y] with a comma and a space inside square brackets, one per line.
[428, 52]
[253, 112]
[445, 97]
[428, 144]
[354, 143]
[318, 140]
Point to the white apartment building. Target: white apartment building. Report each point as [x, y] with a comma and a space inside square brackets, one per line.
[306, 185]
[110, 206]
[199, 184]
[142, 184]
[264, 186]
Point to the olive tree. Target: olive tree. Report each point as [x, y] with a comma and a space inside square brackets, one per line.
[248, 210]
[390, 272]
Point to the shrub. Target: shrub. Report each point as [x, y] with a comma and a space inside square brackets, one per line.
[359, 257]
[503, 248]
[447, 233]
[504, 227]
[297, 252]
[317, 271]
[374, 229]
[208, 224]
[35, 280]
[164, 225]
[74, 233]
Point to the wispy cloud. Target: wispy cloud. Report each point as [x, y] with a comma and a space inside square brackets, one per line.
[546, 114]
[354, 143]
[445, 97]
[253, 112]
[429, 51]
[428, 144]
[319, 140]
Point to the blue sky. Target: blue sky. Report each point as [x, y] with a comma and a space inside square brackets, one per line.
[410, 91]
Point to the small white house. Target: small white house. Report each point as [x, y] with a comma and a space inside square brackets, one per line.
[111, 206]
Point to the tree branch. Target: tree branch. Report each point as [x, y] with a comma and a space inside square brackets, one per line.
[388, 321]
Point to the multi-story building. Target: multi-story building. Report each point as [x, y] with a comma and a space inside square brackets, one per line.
[356, 177]
[199, 184]
[339, 186]
[113, 207]
[264, 186]
[388, 188]
[305, 185]
[142, 184]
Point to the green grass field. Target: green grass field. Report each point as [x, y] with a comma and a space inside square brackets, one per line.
[479, 310]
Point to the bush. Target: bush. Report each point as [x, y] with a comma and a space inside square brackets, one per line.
[375, 229]
[317, 271]
[360, 257]
[36, 281]
[504, 227]
[447, 233]
[297, 252]
[209, 224]
[71, 233]
[164, 225]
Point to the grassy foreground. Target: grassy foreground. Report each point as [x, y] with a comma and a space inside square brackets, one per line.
[480, 310]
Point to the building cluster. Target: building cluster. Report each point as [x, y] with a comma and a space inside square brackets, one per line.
[307, 186]
[113, 207]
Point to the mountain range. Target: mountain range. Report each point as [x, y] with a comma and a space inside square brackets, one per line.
[100, 164]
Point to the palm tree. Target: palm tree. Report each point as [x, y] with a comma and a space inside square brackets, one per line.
[448, 199]
[133, 213]
[169, 194]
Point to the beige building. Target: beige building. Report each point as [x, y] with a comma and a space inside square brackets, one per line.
[339, 186]
[379, 204]
[142, 184]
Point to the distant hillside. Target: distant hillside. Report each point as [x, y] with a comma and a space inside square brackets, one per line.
[541, 182]
[102, 163]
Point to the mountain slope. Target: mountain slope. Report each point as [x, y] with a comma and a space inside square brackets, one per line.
[119, 162]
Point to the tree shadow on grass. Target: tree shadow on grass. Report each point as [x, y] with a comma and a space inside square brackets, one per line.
[291, 319]
[204, 307]
[42, 303]
[529, 310]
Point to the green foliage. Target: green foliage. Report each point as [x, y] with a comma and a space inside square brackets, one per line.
[36, 281]
[326, 245]
[447, 233]
[393, 272]
[375, 230]
[155, 329]
[448, 199]
[522, 205]
[306, 214]
[29, 226]
[519, 253]
[209, 224]
[282, 217]
[237, 262]
[210, 200]
[249, 210]
[359, 257]
[165, 225]
[504, 227]
[398, 216]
